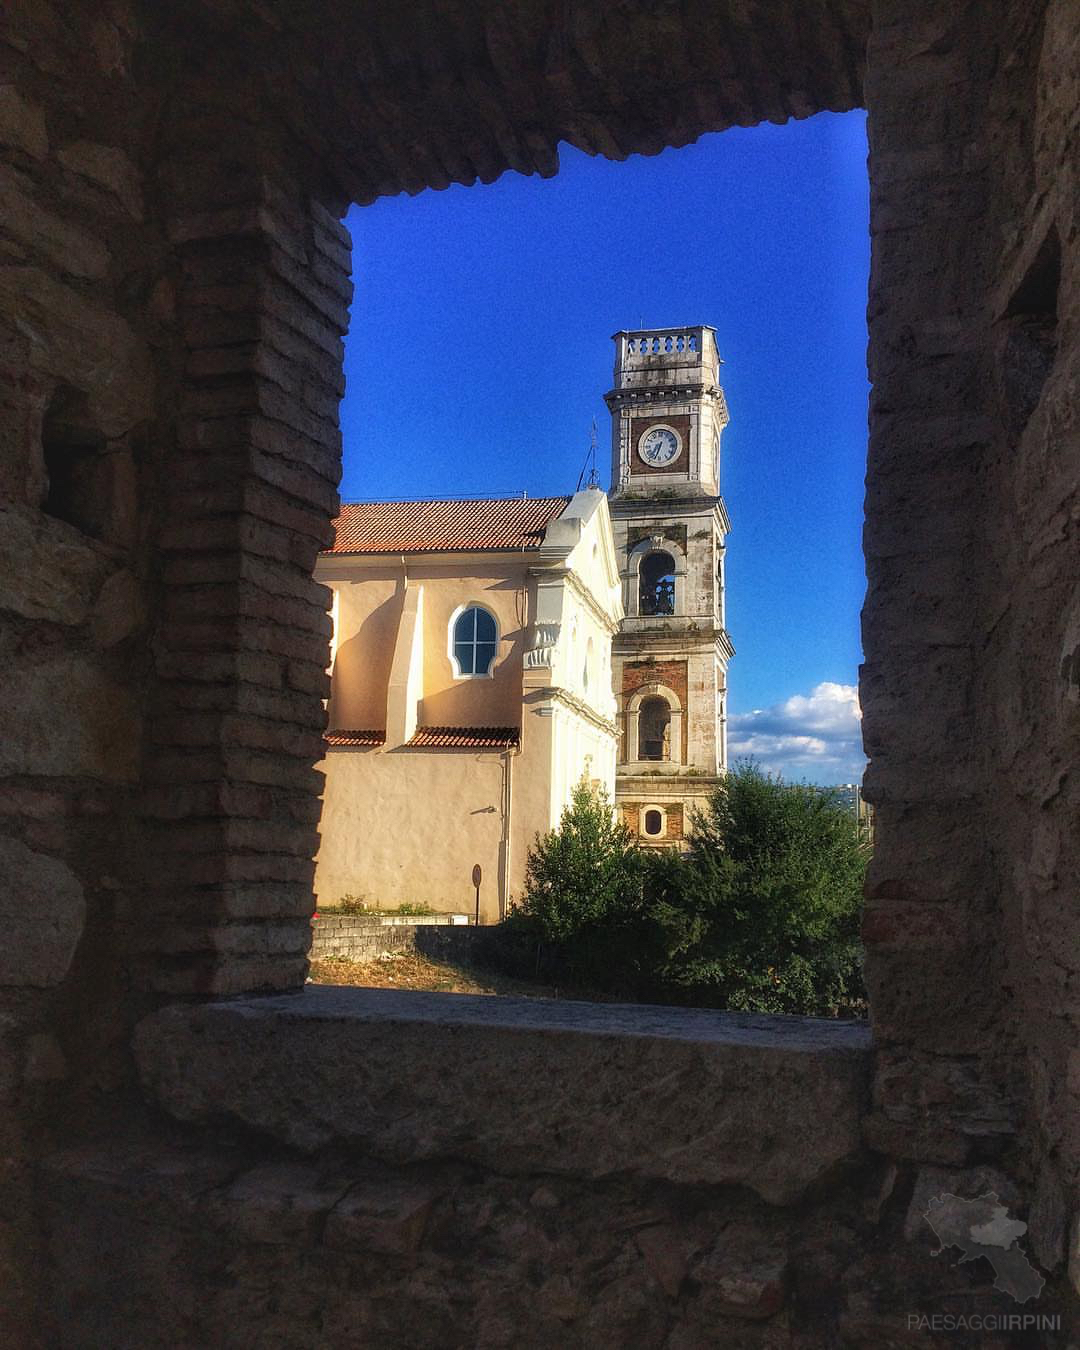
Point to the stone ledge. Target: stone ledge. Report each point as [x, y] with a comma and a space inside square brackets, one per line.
[523, 1085]
[365, 923]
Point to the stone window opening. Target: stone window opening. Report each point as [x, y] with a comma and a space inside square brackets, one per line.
[474, 641]
[654, 730]
[655, 579]
[654, 726]
[653, 822]
[1029, 342]
[75, 455]
[927, 1076]
[657, 588]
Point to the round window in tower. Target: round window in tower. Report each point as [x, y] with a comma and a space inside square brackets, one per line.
[654, 824]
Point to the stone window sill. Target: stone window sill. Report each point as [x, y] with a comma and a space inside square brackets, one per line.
[523, 1085]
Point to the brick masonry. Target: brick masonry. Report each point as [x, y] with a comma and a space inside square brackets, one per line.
[636, 674]
[639, 673]
[680, 422]
[631, 815]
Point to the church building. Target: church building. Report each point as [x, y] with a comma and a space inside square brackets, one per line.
[488, 655]
[672, 650]
[471, 690]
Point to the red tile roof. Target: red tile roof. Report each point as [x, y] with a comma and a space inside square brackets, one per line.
[466, 738]
[510, 524]
[355, 737]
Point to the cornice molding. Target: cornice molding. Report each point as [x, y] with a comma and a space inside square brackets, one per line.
[580, 707]
[583, 592]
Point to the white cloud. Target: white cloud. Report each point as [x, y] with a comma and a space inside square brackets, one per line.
[815, 736]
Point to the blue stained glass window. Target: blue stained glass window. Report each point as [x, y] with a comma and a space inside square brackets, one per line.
[474, 641]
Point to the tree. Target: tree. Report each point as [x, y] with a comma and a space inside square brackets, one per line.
[775, 873]
[761, 915]
[583, 892]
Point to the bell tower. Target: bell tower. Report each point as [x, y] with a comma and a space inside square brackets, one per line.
[670, 657]
[667, 412]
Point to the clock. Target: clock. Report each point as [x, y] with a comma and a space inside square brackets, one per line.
[659, 446]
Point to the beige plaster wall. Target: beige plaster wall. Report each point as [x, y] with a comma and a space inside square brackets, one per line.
[592, 607]
[581, 750]
[367, 618]
[370, 596]
[451, 700]
[377, 841]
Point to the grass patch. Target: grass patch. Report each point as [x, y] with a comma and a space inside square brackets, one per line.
[410, 970]
[361, 904]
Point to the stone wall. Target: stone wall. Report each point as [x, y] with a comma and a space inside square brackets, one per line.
[174, 284]
[86, 343]
[387, 1206]
[1031, 494]
[966, 692]
[172, 301]
[361, 938]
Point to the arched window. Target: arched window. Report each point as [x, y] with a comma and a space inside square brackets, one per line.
[473, 640]
[657, 593]
[654, 729]
[654, 823]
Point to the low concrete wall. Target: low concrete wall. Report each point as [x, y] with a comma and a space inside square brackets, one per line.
[363, 937]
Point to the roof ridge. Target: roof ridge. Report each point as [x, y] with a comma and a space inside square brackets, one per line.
[441, 525]
[456, 501]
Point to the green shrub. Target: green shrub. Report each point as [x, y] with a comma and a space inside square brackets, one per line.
[583, 904]
[361, 904]
[775, 874]
[352, 904]
[761, 915]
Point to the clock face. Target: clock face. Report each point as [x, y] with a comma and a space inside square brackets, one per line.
[659, 446]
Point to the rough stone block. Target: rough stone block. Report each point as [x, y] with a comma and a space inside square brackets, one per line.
[42, 912]
[70, 248]
[606, 1090]
[969, 1183]
[382, 1216]
[45, 1060]
[47, 570]
[87, 344]
[278, 1203]
[68, 717]
[22, 124]
[117, 610]
[1074, 1254]
[741, 1277]
[664, 1250]
[110, 168]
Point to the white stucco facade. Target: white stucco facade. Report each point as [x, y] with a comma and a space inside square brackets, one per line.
[429, 770]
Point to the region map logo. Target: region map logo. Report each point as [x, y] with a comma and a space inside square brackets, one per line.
[982, 1227]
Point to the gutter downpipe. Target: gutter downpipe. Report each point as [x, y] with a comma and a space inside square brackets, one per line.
[508, 809]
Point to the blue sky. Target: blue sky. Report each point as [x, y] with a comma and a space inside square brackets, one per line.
[481, 354]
